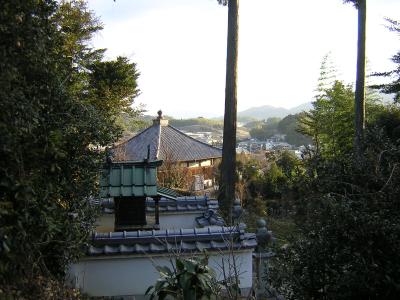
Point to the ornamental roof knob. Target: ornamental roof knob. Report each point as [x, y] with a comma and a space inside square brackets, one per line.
[160, 119]
[264, 236]
[261, 223]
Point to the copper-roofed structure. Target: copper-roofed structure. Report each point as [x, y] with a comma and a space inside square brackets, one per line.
[139, 229]
[165, 142]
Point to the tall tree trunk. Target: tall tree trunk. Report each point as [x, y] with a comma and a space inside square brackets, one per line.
[228, 165]
[360, 80]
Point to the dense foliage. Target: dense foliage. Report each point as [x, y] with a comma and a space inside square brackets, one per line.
[349, 224]
[329, 124]
[266, 187]
[215, 124]
[346, 210]
[59, 104]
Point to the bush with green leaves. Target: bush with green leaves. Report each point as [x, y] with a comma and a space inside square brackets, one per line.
[189, 279]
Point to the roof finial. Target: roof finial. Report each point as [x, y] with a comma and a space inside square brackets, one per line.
[160, 119]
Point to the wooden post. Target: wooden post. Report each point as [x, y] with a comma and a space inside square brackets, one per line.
[157, 209]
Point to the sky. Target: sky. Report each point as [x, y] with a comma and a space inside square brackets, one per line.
[179, 47]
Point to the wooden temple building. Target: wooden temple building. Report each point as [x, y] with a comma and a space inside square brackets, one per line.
[177, 150]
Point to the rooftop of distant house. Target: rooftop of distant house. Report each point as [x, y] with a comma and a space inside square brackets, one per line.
[162, 141]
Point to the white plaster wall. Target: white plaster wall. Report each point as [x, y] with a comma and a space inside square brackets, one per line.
[205, 163]
[168, 220]
[132, 275]
[174, 220]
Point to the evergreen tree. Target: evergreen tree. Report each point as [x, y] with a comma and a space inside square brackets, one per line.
[312, 122]
[394, 86]
[327, 76]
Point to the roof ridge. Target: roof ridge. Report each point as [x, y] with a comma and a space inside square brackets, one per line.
[208, 145]
[176, 232]
[158, 141]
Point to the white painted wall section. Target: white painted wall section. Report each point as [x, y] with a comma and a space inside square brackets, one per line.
[132, 275]
[176, 220]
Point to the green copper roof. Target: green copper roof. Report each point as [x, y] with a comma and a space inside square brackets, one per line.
[130, 179]
[167, 193]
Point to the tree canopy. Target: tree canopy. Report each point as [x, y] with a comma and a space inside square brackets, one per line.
[394, 86]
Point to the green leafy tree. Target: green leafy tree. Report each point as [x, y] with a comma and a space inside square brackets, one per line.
[327, 75]
[112, 86]
[51, 140]
[311, 122]
[330, 122]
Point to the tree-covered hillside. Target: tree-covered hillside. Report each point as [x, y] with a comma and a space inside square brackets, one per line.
[287, 126]
[210, 123]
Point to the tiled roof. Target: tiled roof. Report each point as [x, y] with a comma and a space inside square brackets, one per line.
[129, 178]
[166, 143]
[167, 193]
[210, 217]
[182, 204]
[170, 240]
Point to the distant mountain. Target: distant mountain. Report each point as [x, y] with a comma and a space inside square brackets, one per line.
[302, 107]
[268, 111]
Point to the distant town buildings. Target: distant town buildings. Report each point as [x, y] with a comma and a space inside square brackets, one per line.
[255, 145]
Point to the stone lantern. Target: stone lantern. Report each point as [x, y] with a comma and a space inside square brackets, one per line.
[262, 256]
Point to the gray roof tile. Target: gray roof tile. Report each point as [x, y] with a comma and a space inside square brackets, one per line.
[183, 204]
[164, 241]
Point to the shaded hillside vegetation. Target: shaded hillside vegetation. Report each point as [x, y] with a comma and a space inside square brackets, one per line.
[287, 126]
